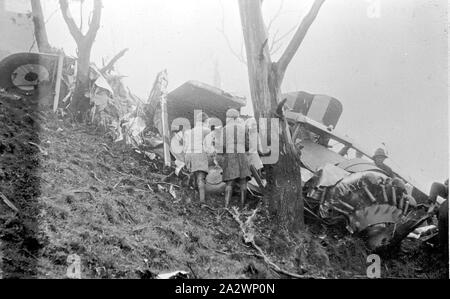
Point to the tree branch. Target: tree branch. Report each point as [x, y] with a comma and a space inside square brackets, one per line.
[248, 234]
[276, 15]
[94, 26]
[276, 46]
[40, 31]
[239, 57]
[298, 38]
[73, 28]
[113, 61]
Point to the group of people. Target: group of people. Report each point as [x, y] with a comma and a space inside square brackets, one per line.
[238, 157]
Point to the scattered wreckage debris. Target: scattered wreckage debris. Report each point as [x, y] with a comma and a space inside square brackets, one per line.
[428, 232]
[353, 192]
[372, 204]
[147, 274]
[114, 108]
[338, 190]
[33, 75]
[174, 275]
[119, 113]
[321, 108]
[101, 229]
[74, 266]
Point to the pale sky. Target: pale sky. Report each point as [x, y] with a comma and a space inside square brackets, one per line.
[387, 66]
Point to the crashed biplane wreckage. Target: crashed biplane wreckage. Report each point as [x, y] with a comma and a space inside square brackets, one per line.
[351, 192]
[50, 79]
[342, 184]
[33, 75]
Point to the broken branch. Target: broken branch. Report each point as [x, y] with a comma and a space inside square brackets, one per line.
[73, 28]
[298, 38]
[165, 183]
[239, 57]
[9, 203]
[249, 238]
[77, 34]
[40, 31]
[94, 25]
[110, 65]
[96, 178]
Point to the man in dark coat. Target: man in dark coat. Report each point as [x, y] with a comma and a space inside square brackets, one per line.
[235, 165]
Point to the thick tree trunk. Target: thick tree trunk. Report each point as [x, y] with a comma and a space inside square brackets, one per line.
[40, 32]
[258, 57]
[80, 103]
[283, 194]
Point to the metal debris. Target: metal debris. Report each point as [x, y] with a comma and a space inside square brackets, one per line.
[174, 275]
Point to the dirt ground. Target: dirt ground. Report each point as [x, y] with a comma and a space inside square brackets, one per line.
[77, 192]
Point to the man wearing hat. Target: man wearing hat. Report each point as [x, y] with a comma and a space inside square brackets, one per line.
[379, 157]
[440, 190]
[235, 165]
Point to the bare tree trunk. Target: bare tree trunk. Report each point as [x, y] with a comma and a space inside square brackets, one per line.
[80, 103]
[258, 57]
[284, 192]
[40, 32]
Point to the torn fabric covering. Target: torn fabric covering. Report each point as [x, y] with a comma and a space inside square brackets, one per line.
[306, 174]
[194, 95]
[358, 165]
[100, 98]
[135, 122]
[133, 130]
[330, 175]
[321, 108]
[116, 109]
[102, 83]
[314, 156]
